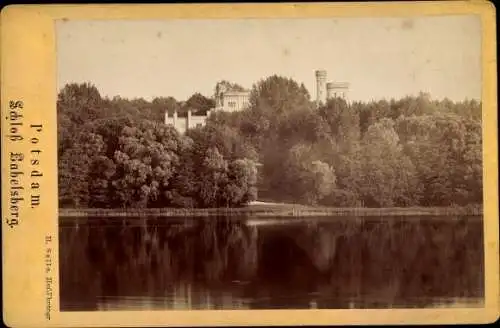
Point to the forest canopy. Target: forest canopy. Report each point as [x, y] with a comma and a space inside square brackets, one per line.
[415, 151]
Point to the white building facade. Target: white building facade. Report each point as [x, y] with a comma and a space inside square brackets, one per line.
[232, 101]
[186, 122]
[228, 99]
[225, 100]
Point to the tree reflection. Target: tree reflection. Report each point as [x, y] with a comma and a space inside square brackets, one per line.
[225, 263]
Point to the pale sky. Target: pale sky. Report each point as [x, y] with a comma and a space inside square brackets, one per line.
[379, 57]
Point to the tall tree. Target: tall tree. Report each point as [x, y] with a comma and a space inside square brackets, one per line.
[213, 178]
[387, 174]
[308, 180]
[80, 102]
[146, 159]
[74, 169]
[241, 182]
[199, 104]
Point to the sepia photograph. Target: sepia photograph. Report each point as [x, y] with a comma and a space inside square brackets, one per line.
[312, 163]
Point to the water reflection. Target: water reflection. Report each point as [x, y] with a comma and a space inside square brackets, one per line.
[117, 263]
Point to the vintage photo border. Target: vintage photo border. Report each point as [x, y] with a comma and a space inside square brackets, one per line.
[30, 247]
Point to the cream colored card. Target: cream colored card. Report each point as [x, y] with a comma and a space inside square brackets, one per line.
[323, 262]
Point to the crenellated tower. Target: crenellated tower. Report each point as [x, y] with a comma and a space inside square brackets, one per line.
[320, 87]
[337, 90]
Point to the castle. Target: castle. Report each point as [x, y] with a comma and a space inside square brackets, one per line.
[233, 99]
[227, 98]
[328, 90]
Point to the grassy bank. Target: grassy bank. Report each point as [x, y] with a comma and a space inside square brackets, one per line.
[275, 210]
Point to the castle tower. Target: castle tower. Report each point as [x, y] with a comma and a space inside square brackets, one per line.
[330, 90]
[320, 87]
[337, 90]
[219, 91]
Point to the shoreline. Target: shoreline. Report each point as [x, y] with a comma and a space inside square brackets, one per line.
[274, 210]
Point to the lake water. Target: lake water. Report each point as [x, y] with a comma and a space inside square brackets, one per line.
[288, 263]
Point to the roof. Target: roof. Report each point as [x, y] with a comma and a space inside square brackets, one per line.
[339, 85]
[236, 93]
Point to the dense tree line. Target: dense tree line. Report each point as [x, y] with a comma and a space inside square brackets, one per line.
[398, 262]
[118, 153]
[409, 152]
